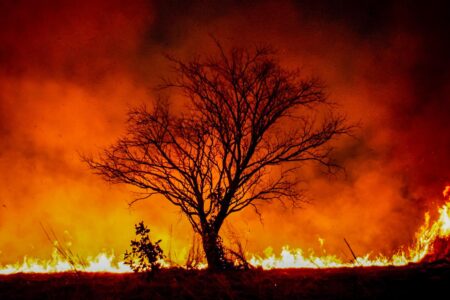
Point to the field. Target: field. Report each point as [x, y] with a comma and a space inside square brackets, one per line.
[425, 281]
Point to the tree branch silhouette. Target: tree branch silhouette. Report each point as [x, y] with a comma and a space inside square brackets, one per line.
[245, 116]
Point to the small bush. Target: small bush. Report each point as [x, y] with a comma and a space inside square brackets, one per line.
[145, 256]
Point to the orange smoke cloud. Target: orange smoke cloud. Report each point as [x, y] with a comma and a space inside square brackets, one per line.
[70, 71]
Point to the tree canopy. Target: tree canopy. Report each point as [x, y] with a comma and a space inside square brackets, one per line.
[247, 124]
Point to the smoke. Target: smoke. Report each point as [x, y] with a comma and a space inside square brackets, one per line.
[70, 71]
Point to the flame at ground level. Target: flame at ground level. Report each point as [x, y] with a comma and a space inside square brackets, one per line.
[431, 239]
[103, 262]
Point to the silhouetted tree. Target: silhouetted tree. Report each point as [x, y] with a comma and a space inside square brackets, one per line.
[245, 118]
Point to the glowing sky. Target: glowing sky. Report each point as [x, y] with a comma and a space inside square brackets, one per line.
[69, 72]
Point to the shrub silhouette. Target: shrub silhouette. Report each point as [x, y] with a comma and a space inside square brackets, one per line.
[145, 256]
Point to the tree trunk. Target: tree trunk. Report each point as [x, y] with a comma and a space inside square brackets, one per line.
[215, 256]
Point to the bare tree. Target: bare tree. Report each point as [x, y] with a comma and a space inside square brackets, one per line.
[246, 118]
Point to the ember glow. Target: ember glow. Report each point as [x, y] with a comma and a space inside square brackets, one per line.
[425, 239]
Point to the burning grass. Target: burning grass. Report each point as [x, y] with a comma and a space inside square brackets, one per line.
[432, 242]
[422, 270]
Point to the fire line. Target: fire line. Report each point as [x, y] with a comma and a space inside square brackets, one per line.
[431, 243]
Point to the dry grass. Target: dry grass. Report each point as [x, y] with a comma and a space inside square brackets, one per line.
[427, 281]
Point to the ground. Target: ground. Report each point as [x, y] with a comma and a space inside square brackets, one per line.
[428, 281]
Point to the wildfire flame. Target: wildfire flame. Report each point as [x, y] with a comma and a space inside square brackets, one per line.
[103, 262]
[427, 237]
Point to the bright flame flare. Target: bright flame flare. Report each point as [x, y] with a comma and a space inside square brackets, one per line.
[103, 262]
[426, 237]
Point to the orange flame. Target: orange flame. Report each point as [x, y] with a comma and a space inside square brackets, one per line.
[425, 239]
[103, 262]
